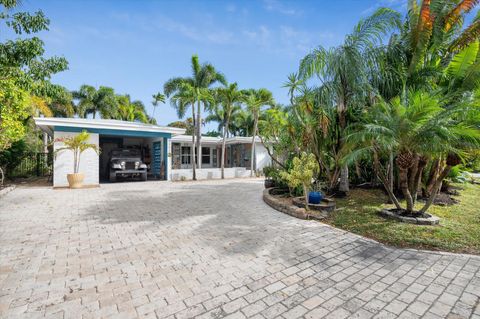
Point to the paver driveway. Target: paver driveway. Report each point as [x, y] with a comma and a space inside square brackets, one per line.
[212, 250]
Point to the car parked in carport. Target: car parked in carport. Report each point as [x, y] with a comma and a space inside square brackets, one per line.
[127, 163]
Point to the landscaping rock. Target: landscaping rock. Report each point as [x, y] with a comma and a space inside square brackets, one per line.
[426, 220]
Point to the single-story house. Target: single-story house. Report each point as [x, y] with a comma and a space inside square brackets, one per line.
[165, 150]
[237, 157]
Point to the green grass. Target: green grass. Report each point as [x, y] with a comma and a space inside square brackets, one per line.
[459, 229]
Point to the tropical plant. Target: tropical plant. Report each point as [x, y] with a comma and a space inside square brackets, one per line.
[302, 172]
[184, 95]
[187, 125]
[413, 132]
[242, 123]
[255, 101]
[342, 72]
[228, 100]
[130, 111]
[203, 77]
[157, 98]
[77, 145]
[92, 101]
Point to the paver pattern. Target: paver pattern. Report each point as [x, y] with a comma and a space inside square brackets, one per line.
[208, 250]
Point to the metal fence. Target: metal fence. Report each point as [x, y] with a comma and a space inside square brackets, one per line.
[34, 164]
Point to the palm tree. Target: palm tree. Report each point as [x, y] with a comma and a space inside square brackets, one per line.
[157, 98]
[241, 123]
[415, 131]
[342, 70]
[130, 111]
[187, 95]
[93, 101]
[255, 100]
[203, 77]
[228, 101]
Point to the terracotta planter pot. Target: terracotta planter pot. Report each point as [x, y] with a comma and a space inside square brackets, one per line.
[75, 180]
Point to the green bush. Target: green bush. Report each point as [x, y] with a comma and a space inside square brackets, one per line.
[12, 157]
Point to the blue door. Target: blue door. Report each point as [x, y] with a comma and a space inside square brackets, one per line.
[157, 159]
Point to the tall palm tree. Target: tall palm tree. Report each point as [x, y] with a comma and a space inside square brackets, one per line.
[256, 100]
[157, 98]
[187, 95]
[342, 70]
[203, 77]
[228, 101]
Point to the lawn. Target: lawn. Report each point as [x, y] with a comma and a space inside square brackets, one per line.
[459, 229]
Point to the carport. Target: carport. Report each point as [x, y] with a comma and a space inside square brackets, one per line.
[152, 141]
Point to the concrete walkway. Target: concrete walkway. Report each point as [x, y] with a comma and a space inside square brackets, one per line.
[208, 250]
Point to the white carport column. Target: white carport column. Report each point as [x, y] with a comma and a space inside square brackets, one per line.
[168, 154]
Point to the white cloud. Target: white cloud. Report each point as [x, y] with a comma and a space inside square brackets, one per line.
[399, 5]
[276, 6]
[231, 8]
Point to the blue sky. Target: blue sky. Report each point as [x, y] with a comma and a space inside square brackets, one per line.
[135, 46]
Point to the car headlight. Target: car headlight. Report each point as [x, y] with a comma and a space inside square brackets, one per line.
[137, 164]
[122, 163]
[143, 166]
[116, 166]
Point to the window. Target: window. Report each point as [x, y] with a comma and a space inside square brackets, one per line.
[186, 155]
[205, 155]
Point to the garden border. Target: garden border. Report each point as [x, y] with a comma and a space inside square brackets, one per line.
[291, 210]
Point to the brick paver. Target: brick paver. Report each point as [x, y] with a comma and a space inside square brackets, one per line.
[208, 250]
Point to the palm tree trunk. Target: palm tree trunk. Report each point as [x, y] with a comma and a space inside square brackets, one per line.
[412, 178]
[199, 134]
[436, 188]
[434, 169]
[192, 150]
[222, 161]
[390, 172]
[344, 183]
[405, 190]
[305, 193]
[418, 179]
[252, 154]
[386, 180]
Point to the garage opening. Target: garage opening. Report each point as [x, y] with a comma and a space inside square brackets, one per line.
[131, 159]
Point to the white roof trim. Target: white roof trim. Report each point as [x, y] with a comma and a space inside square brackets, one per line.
[48, 123]
[216, 140]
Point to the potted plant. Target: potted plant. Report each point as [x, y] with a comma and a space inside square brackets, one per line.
[77, 144]
[315, 196]
[301, 174]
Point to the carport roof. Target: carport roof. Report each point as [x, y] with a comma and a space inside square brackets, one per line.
[48, 124]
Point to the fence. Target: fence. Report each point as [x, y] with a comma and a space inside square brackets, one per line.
[34, 164]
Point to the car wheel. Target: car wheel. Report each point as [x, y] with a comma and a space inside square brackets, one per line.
[113, 177]
[144, 176]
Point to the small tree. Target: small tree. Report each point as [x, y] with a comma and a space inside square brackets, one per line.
[77, 144]
[304, 168]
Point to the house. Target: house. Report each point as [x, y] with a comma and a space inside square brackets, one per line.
[237, 157]
[152, 140]
[165, 150]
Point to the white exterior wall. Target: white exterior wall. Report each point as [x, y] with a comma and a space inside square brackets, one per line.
[63, 162]
[208, 173]
[262, 158]
[169, 159]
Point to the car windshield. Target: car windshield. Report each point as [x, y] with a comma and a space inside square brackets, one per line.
[126, 153]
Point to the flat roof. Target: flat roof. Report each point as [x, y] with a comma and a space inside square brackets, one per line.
[48, 125]
[216, 140]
